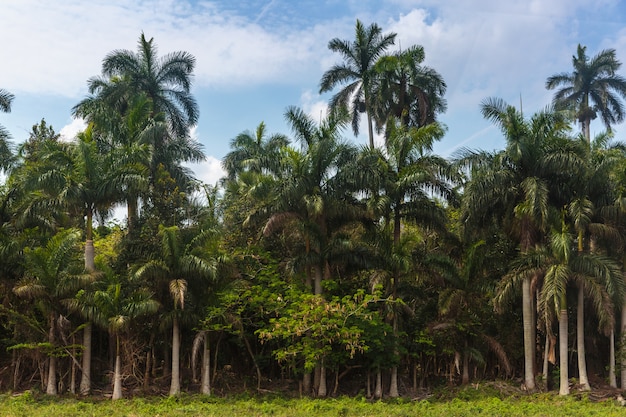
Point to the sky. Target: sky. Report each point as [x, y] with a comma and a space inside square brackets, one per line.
[255, 58]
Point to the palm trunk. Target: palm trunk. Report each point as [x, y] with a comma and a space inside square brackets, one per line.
[612, 379]
[378, 389]
[175, 381]
[322, 390]
[51, 386]
[205, 385]
[580, 341]
[563, 359]
[117, 373]
[370, 129]
[546, 361]
[85, 379]
[393, 386]
[623, 349]
[529, 343]
[117, 378]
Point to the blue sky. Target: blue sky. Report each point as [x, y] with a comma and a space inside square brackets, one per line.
[257, 57]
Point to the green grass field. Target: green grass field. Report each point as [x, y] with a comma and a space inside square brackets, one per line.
[27, 405]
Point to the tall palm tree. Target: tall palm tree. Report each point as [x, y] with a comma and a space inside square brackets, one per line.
[315, 196]
[408, 90]
[522, 183]
[410, 176]
[166, 81]
[561, 265]
[6, 99]
[151, 96]
[254, 152]
[179, 265]
[357, 72]
[593, 89]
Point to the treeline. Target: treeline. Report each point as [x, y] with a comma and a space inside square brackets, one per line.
[315, 266]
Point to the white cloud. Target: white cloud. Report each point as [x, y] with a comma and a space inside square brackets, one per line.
[69, 132]
[209, 171]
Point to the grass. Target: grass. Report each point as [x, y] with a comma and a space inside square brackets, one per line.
[29, 405]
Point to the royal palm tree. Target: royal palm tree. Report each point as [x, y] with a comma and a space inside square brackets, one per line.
[593, 89]
[407, 90]
[166, 81]
[357, 72]
[315, 195]
[521, 183]
[411, 175]
[6, 99]
[561, 266]
[254, 152]
[179, 265]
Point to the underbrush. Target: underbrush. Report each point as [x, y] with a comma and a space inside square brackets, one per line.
[471, 401]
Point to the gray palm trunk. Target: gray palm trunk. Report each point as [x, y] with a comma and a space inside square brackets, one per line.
[378, 389]
[612, 378]
[51, 386]
[563, 359]
[529, 343]
[623, 355]
[85, 380]
[580, 340]
[117, 378]
[205, 384]
[175, 382]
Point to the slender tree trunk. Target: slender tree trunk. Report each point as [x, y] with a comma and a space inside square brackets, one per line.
[563, 358]
[306, 383]
[529, 344]
[117, 372]
[546, 361]
[132, 207]
[319, 275]
[393, 385]
[205, 385]
[580, 340]
[117, 378]
[623, 349]
[465, 373]
[378, 388]
[85, 379]
[90, 255]
[370, 129]
[51, 386]
[175, 381]
[612, 379]
[322, 390]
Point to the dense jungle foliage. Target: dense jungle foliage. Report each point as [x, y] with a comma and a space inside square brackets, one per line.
[315, 267]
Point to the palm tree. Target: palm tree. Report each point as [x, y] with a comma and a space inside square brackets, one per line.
[593, 88]
[315, 196]
[143, 99]
[50, 276]
[254, 152]
[560, 266]
[179, 265]
[521, 183]
[357, 72]
[166, 81]
[407, 90]
[6, 99]
[115, 306]
[411, 175]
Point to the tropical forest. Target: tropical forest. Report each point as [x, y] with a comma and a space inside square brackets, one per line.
[316, 267]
